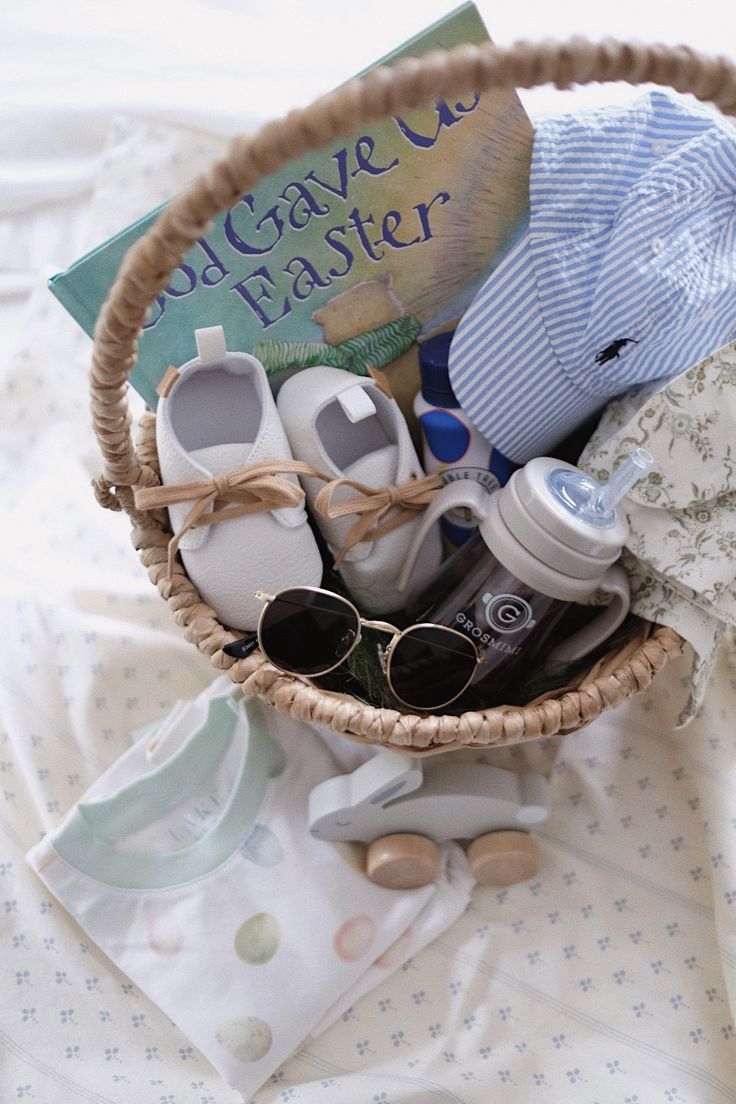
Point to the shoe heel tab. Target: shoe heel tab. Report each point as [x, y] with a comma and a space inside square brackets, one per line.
[211, 344]
[356, 403]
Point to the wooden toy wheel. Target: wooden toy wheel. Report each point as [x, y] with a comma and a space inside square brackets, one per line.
[504, 858]
[402, 861]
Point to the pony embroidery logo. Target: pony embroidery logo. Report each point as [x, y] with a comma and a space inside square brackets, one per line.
[508, 613]
[613, 350]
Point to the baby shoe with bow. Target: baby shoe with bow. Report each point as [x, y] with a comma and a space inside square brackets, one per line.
[230, 483]
[353, 433]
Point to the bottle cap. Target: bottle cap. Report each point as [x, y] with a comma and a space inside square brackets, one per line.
[544, 524]
[433, 358]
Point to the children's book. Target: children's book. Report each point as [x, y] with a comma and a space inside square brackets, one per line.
[347, 256]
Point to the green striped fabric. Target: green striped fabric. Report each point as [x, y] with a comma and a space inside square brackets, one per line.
[372, 349]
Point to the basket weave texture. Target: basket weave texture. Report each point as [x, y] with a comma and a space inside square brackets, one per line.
[130, 465]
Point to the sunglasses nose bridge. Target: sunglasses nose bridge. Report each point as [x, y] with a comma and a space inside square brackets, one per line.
[381, 626]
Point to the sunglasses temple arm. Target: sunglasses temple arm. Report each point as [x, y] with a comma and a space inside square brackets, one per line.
[239, 649]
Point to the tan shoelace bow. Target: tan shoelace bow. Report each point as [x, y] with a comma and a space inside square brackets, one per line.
[375, 502]
[253, 489]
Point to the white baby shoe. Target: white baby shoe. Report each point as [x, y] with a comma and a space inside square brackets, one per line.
[347, 428]
[230, 483]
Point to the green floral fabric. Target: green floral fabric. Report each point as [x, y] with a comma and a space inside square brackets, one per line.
[681, 552]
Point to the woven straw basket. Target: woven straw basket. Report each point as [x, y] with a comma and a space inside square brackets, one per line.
[149, 264]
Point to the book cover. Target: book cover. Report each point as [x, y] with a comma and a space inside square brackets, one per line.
[349, 255]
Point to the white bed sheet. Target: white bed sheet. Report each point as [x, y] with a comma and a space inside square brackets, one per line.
[610, 977]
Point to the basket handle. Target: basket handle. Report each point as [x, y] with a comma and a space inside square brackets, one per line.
[149, 263]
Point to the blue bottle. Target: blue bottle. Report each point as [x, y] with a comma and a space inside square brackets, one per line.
[451, 443]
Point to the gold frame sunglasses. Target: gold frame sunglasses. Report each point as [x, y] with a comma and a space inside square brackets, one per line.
[309, 632]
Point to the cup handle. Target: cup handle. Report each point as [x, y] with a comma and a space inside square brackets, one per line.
[616, 583]
[465, 492]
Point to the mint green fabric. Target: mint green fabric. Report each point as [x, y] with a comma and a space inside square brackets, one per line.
[87, 839]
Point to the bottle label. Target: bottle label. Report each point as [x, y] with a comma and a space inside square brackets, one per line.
[483, 476]
[485, 639]
[461, 516]
[508, 613]
[505, 614]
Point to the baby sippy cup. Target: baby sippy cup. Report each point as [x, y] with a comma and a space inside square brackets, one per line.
[547, 539]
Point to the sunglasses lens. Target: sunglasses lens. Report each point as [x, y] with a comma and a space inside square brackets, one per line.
[307, 632]
[431, 666]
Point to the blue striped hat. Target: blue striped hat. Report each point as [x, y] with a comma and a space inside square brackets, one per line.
[624, 275]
